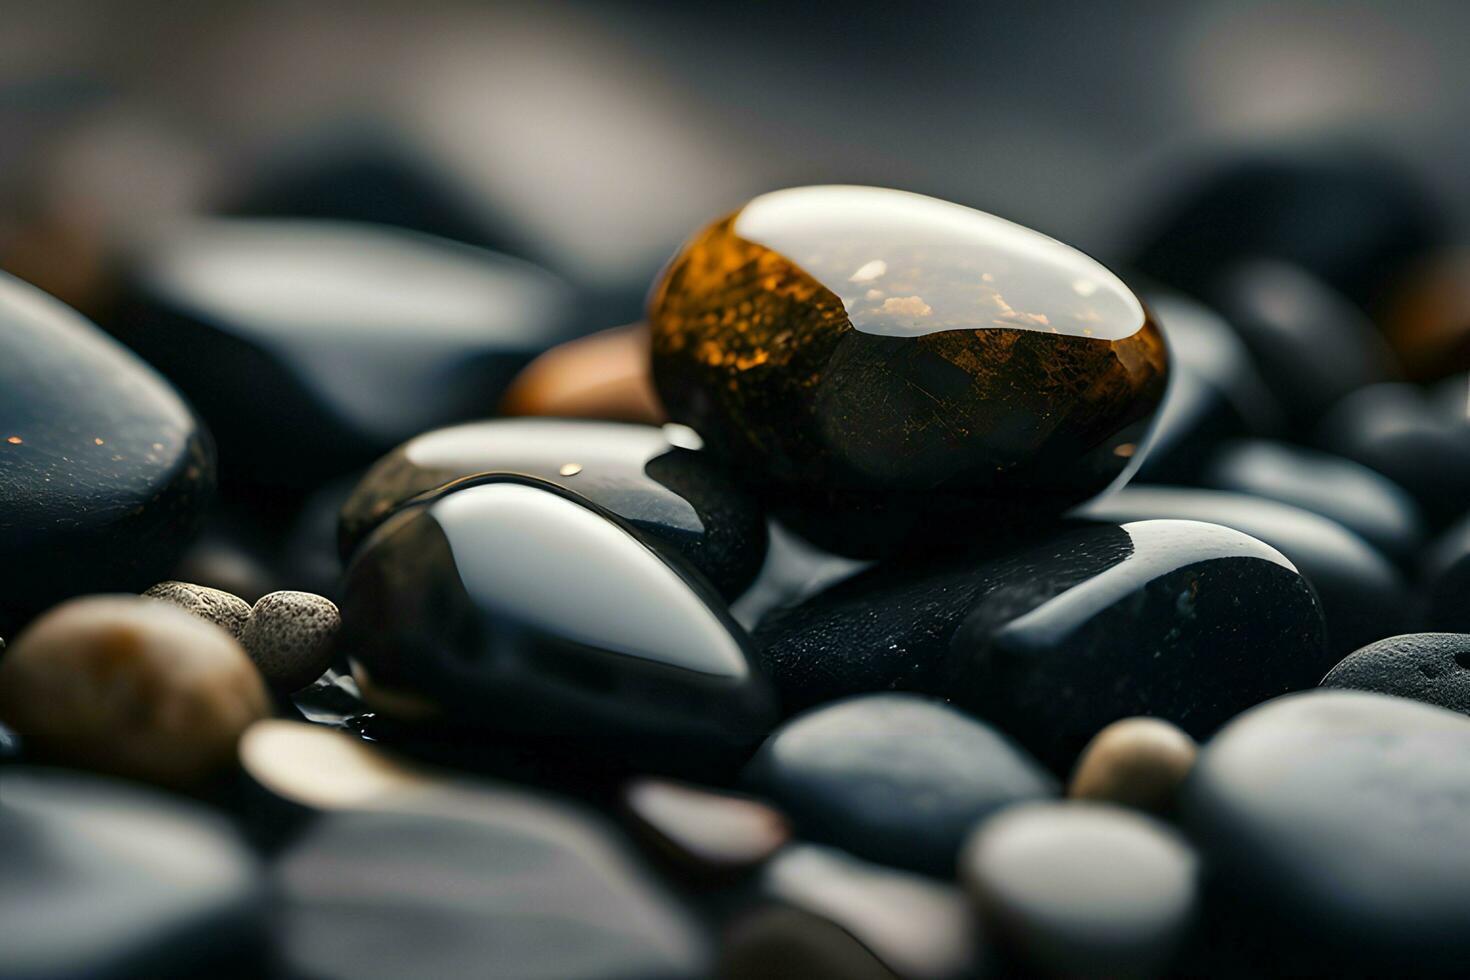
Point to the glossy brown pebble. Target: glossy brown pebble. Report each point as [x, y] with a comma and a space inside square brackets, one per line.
[229, 612]
[601, 376]
[884, 358]
[291, 637]
[1137, 762]
[131, 686]
[1083, 889]
[705, 832]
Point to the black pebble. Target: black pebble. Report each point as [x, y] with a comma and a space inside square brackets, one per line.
[1429, 667]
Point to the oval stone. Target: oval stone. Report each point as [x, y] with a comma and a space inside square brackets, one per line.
[315, 346]
[896, 778]
[884, 358]
[1136, 762]
[515, 606]
[656, 479]
[94, 447]
[1342, 819]
[1430, 667]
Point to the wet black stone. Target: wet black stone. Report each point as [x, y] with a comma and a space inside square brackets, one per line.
[1429, 667]
[1364, 598]
[1312, 345]
[1362, 500]
[1180, 620]
[1348, 215]
[1340, 821]
[106, 879]
[895, 778]
[1409, 437]
[656, 479]
[498, 882]
[314, 347]
[516, 606]
[1215, 391]
[1446, 580]
[895, 924]
[104, 470]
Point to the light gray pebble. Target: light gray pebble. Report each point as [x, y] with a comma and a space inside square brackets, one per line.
[290, 636]
[229, 612]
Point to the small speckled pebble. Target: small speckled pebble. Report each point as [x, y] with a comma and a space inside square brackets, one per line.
[229, 612]
[290, 637]
[1137, 762]
[132, 686]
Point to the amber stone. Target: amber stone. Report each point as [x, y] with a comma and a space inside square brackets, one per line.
[878, 357]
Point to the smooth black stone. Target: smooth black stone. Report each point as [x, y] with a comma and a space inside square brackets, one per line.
[516, 606]
[105, 879]
[104, 470]
[1362, 500]
[1430, 667]
[895, 778]
[1180, 620]
[1215, 391]
[794, 570]
[1446, 580]
[656, 479]
[314, 347]
[1312, 345]
[1364, 598]
[916, 928]
[495, 882]
[1348, 215]
[1410, 438]
[1341, 821]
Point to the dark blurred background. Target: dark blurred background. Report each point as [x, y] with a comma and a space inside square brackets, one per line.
[593, 137]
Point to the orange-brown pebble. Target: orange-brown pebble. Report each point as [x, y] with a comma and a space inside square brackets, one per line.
[1137, 762]
[131, 686]
[1428, 322]
[601, 376]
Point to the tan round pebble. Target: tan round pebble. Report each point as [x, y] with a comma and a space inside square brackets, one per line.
[321, 768]
[130, 686]
[290, 637]
[229, 612]
[1137, 762]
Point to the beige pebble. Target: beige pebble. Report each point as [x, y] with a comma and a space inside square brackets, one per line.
[130, 686]
[291, 637]
[324, 769]
[229, 612]
[1137, 762]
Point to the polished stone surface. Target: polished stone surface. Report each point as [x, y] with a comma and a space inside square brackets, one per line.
[311, 347]
[1181, 620]
[495, 881]
[605, 375]
[1363, 596]
[131, 686]
[1083, 889]
[104, 879]
[513, 606]
[895, 778]
[1360, 499]
[1341, 820]
[1430, 667]
[655, 478]
[94, 447]
[883, 358]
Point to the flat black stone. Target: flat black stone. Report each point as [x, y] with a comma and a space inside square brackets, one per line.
[1409, 437]
[106, 879]
[1430, 667]
[656, 479]
[1312, 344]
[1215, 391]
[498, 882]
[1181, 620]
[895, 778]
[104, 470]
[1364, 598]
[516, 606]
[313, 347]
[1360, 499]
[1341, 821]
